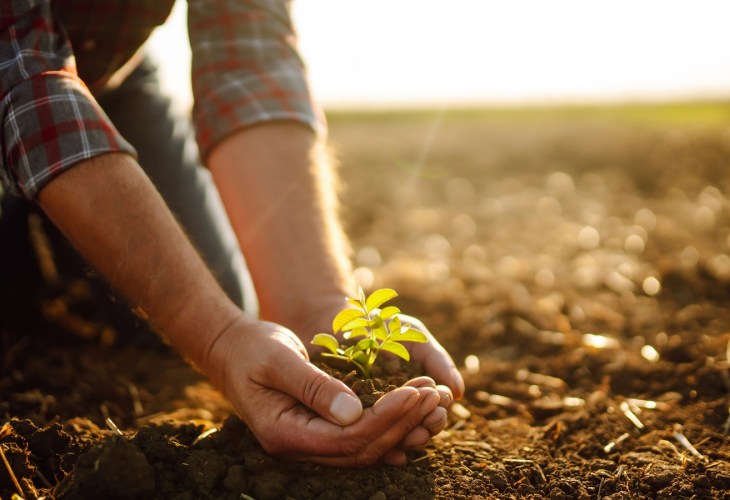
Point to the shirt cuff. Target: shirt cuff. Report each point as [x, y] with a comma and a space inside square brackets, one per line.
[245, 98]
[51, 122]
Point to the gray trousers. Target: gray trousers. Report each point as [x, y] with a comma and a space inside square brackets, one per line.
[168, 154]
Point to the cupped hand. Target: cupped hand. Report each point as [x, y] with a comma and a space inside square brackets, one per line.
[439, 368]
[297, 410]
[436, 361]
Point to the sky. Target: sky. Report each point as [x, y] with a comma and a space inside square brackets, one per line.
[384, 53]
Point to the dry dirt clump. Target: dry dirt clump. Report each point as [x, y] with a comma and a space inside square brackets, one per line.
[576, 264]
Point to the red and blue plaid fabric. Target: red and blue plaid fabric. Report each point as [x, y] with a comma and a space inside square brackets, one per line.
[55, 55]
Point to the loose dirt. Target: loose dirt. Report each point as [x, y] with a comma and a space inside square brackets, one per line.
[576, 263]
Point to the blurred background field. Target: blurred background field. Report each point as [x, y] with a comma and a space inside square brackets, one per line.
[575, 261]
[546, 185]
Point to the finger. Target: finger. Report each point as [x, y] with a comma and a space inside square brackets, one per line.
[324, 394]
[432, 424]
[447, 396]
[422, 381]
[393, 436]
[416, 438]
[438, 364]
[353, 446]
[385, 442]
[436, 421]
[394, 457]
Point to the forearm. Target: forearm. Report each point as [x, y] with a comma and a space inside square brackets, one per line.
[113, 215]
[278, 190]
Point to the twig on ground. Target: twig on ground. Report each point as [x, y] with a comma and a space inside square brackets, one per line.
[499, 400]
[458, 425]
[573, 402]
[423, 457]
[624, 407]
[43, 479]
[113, 427]
[460, 411]
[542, 474]
[647, 404]
[610, 446]
[10, 472]
[682, 439]
[549, 381]
[204, 435]
[600, 487]
[663, 443]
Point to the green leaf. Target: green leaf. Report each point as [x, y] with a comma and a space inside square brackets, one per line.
[379, 297]
[366, 344]
[361, 296]
[394, 325]
[356, 323]
[336, 356]
[356, 332]
[396, 349]
[380, 332]
[361, 358]
[411, 335]
[326, 340]
[355, 303]
[345, 316]
[389, 312]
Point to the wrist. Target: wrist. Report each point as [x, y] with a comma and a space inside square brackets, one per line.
[309, 315]
[194, 324]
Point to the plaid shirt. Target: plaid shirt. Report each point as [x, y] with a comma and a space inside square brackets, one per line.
[54, 55]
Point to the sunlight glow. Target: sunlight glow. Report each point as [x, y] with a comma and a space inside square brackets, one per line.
[410, 52]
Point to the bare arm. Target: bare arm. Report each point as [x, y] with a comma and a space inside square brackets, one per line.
[278, 190]
[114, 216]
[110, 211]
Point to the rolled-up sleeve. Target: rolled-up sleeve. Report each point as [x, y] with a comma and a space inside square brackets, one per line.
[50, 120]
[246, 68]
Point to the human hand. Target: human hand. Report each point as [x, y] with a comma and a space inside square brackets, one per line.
[435, 360]
[296, 410]
[438, 365]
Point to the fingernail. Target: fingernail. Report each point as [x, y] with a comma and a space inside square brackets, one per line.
[446, 396]
[459, 383]
[436, 416]
[429, 403]
[345, 408]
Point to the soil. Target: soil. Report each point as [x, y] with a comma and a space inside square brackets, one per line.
[576, 263]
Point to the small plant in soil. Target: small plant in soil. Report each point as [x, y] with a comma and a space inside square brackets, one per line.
[378, 330]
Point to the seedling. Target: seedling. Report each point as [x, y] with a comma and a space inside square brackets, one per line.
[381, 329]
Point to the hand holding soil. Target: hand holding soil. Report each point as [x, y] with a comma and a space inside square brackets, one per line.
[388, 334]
[296, 410]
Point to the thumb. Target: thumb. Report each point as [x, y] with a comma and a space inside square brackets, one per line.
[324, 394]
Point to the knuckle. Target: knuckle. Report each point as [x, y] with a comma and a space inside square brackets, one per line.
[269, 447]
[272, 446]
[367, 458]
[351, 447]
[313, 386]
